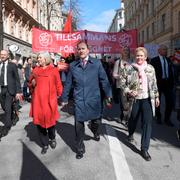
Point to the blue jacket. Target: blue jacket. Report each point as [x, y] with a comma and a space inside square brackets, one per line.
[87, 82]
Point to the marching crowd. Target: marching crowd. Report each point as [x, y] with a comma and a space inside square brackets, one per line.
[134, 82]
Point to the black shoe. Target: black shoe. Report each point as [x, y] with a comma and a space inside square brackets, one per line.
[44, 150]
[169, 123]
[96, 137]
[15, 120]
[130, 138]
[119, 121]
[53, 143]
[4, 132]
[145, 155]
[79, 155]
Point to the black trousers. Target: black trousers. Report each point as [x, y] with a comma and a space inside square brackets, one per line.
[165, 89]
[142, 110]
[6, 100]
[80, 132]
[46, 134]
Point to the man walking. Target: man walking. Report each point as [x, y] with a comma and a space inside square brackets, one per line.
[165, 83]
[87, 76]
[10, 89]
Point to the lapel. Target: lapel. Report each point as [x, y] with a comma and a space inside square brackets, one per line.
[79, 63]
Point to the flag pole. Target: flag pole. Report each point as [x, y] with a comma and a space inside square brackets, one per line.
[70, 10]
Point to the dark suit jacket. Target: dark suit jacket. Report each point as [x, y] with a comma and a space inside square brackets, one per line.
[13, 81]
[156, 63]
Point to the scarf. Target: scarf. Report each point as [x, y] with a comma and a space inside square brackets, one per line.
[143, 85]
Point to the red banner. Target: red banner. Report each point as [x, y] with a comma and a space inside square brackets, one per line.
[99, 42]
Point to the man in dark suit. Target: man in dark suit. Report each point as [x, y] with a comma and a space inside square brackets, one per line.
[86, 75]
[165, 82]
[10, 89]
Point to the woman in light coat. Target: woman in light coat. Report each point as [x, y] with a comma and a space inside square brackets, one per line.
[141, 88]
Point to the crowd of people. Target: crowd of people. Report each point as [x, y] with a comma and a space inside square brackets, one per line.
[134, 82]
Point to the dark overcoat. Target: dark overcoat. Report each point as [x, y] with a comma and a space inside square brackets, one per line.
[86, 82]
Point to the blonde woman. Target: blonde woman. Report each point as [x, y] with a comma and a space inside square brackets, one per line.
[45, 86]
[141, 88]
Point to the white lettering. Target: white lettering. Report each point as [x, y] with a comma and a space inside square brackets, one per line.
[66, 49]
[68, 37]
[101, 37]
[100, 49]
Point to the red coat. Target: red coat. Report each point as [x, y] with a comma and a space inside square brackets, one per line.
[44, 106]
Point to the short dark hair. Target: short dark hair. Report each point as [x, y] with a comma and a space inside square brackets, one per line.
[83, 42]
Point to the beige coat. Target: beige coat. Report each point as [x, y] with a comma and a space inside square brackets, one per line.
[131, 82]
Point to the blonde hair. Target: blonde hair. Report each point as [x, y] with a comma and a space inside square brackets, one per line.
[46, 56]
[144, 50]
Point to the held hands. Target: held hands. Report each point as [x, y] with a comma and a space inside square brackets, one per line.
[132, 93]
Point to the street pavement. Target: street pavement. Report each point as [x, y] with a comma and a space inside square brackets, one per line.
[112, 158]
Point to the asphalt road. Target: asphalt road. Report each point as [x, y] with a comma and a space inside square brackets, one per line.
[113, 158]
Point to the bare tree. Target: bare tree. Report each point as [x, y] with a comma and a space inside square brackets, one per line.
[52, 11]
[74, 5]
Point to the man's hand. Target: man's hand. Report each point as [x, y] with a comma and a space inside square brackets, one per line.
[19, 96]
[64, 104]
[108, 102]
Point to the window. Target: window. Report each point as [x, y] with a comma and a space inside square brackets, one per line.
[147, 32]
[120, 26]
[143, 36]
[139, 35]
[152, 4]
[179, 21]
[120, 14]
[153, 28]
[142, 16]
[163, 21]
[147, 11]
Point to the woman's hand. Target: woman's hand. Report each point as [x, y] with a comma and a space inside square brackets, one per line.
[157, 102]
[132, 93]
[33, 82]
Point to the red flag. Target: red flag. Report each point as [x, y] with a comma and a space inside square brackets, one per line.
[68, 23]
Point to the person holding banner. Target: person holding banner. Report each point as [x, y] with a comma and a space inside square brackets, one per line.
[139, 84]
[120, 66]
[45, 85]
[87, 76]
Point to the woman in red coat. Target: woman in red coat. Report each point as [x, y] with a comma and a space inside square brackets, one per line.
[46, 86]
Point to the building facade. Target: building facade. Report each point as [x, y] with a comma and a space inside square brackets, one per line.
[50, 14]
[20, 16]
[157, 21]
[117, 23]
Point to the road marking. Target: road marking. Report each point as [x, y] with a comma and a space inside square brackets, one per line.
[121, 167]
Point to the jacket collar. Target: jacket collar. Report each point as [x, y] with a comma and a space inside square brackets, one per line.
[78, 62]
